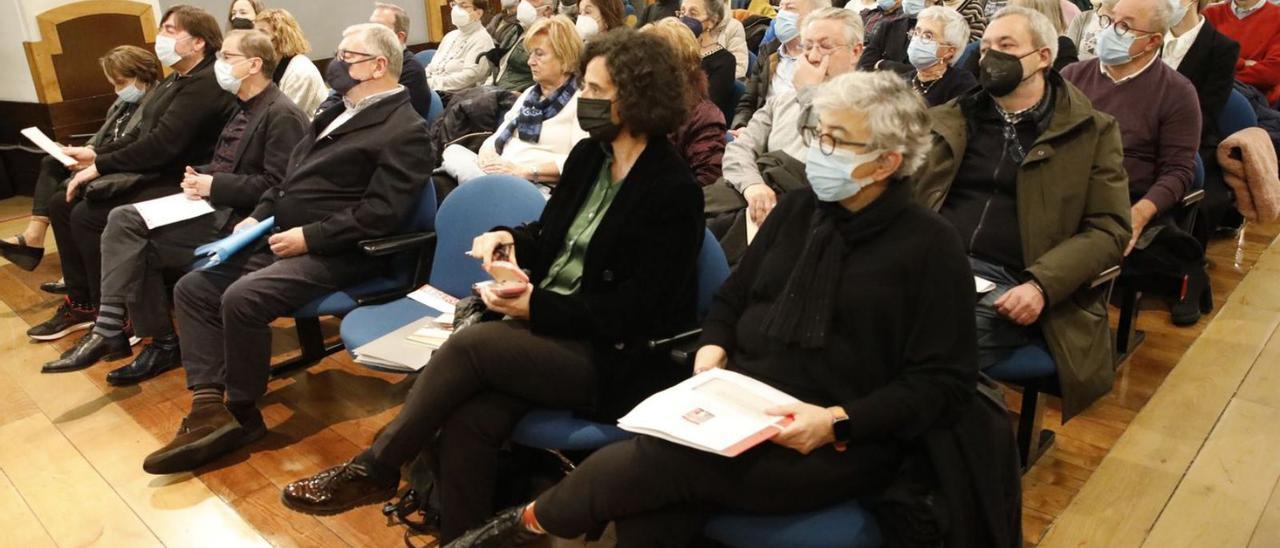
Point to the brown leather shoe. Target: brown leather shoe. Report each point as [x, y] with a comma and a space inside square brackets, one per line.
[209, 432]
[337, 490]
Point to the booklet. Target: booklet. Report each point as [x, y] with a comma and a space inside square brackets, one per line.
[717, 411]
[46, 144]
[215, 253]
[407, 349]
[436, 299]
[174, 208]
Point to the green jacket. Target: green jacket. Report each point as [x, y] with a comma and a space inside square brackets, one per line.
[1073, 213]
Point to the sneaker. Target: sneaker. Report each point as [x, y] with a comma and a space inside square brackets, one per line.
[66, 320]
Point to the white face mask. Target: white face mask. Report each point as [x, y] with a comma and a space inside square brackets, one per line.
[222, 70]
[526, 14]
[459, 17]
[587, 26]
[131, 93]
[508, 4]
[167, 50]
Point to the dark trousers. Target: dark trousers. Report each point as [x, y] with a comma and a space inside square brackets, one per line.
[224, 312]
[77, 227]
[659, 493]
[135, 258]
[473, 392]
[52, 178]
[998, 336]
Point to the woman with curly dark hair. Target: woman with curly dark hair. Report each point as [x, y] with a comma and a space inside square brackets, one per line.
[611, 265]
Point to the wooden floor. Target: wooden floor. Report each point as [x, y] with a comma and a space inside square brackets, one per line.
[72, 446]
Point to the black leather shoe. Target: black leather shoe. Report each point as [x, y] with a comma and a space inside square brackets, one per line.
[337, 490]
[155, 358]
[88, 351]
[24, 256]
[505, 529]
[57, 288]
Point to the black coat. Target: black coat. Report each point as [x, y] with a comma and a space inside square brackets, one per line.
[1204, 65]
[261, 157]
[181, 122]
[359, 182]
[758, 85]
[639, 279]
[719, 67]
[888, 44]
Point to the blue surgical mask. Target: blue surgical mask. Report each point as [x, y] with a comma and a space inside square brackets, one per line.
[912, 7]
[131, 93]
[1112, 48]
[885, 5]
[785, 26]
[831, 176]
[922, 53]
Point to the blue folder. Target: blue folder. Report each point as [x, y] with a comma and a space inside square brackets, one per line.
[215, 253]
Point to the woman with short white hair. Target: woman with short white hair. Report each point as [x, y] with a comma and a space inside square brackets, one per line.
[795, 315]
[936, 44]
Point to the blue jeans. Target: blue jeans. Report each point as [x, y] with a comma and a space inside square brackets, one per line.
[998, 337]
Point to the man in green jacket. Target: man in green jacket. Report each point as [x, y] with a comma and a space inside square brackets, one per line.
[1032, 178]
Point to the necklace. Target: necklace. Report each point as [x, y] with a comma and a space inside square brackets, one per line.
[922, 87]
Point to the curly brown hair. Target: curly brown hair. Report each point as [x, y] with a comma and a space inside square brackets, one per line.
[649, 79]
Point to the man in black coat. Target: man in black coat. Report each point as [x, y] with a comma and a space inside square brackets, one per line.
[251, 157]
[1197, 50]
[413, 76]
[356, 175]
[180, 124]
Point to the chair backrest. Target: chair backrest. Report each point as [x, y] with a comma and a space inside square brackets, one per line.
[436, 110]
[472, 209]
[969, 50]
[421, 219]
[739, 89]
[424, 56]
[1237, 114]
[713, 270]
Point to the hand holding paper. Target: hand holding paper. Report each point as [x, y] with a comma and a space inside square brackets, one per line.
[810, 427]
[46, 144]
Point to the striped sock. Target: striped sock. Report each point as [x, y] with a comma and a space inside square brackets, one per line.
[205, 395]
[110, 321]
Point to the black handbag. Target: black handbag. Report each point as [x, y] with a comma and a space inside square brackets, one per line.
[109, 186]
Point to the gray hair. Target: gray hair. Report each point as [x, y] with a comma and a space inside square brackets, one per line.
[815, 5]
[895, 114]
[401, 16]
[1043, 35]
[715, 10]
[1161, 13]
[955, 29]
[853, 31]
[380, 41]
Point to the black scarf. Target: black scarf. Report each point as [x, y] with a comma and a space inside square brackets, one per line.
[801, 315]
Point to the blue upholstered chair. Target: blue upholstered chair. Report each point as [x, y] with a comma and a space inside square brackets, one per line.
[846, 525]
[1237, 114]
[409, 252]
[472, 209]
[437, 108]
[425, 56]
[969, 51]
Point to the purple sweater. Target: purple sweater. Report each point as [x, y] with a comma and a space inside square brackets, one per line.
[1159, 116]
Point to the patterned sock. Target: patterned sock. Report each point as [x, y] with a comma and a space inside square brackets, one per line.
[206, 395]
[110, 321]
[530, 521]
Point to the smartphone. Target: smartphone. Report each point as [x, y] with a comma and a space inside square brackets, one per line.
[508, 280]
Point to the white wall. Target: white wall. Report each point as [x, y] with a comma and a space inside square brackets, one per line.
[18, 25]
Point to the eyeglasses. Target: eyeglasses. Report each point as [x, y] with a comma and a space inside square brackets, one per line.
[689, 13]
[351, 57]
[823, 48]
[1119, 27]
[826, 143]
[223, 56]
[922, 34]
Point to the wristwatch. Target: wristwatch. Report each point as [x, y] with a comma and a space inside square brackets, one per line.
[840, 428]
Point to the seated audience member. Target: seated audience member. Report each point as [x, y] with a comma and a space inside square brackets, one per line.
[512, 73]
[599, 16]
[250, 158]
[1159, 116]
[459, 62]
[883, 11]
[605, 280]
[730, 35]
[1084, 29]
[702, 16]
[1039, 225]
[295, 74]
[776, 62]
[1196, 49]
[412, 74]
[973, 14]
[242, 13]
[700, 139]
[134, 73]
[832, 41]
[887, 47]
[938, 38]
[1052, 9]
[536, 135]
[179, 128]
[355, 176]
[1255, 25]
[657, 11]
[795, 315]
[503, 24]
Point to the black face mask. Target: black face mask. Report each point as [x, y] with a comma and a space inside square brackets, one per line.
[338, 76]
[241, 23]
[595, 116]
[1000, 72]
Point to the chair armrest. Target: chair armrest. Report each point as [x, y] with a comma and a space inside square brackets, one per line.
[390, 245]
[1105, 276]
[682, 346]
[1193, 197]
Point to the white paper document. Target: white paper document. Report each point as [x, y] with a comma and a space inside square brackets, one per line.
[435, 298]
[983, 285]
[46, 144]
[405, 350]
[173, 208]
[752, 228]
[717, 411]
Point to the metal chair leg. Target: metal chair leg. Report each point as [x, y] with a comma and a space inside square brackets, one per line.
[1033, 439]
[314, 349]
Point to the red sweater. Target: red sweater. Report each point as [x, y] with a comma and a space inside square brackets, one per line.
[1259, 38]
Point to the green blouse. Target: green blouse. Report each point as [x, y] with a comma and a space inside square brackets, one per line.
[565, 275]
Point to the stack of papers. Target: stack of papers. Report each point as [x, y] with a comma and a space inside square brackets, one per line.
[173, 208]
[405, 350]
[717, 411]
